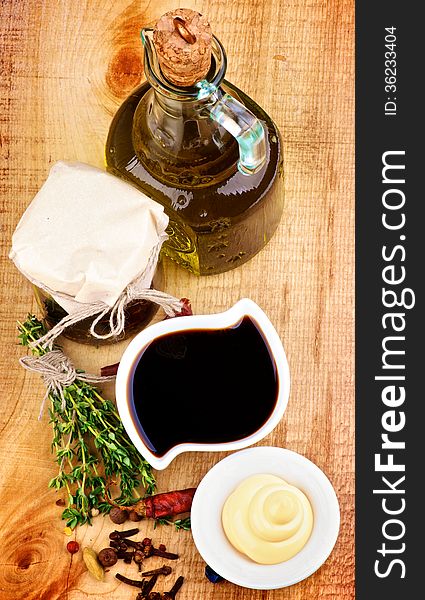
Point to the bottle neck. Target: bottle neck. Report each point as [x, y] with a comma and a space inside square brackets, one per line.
[178, 142]
[177, 108]
[159, 83]
[177, 123]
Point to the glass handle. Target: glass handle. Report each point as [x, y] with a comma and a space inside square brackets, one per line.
[242, 124]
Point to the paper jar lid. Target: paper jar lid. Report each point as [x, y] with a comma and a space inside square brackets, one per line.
[87, 234]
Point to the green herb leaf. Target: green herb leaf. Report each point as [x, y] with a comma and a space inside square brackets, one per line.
[90, 444]
[178, 523]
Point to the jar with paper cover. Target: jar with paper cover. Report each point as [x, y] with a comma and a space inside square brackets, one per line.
[94, 259]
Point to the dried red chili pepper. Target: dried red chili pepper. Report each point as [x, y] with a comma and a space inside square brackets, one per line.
[186, 309]
[166, 504]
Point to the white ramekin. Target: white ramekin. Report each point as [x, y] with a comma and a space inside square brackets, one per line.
[220, 481]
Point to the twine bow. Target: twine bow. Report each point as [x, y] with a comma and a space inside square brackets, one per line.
[136, 290]
[58, 372]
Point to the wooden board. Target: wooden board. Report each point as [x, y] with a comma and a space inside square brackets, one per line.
[66, 66]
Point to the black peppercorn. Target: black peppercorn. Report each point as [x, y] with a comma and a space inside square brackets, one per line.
[118, 516]
[107, 557]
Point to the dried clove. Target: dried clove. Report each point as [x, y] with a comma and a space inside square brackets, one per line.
[138, 558]
[164, 570]
[169, 555]
[172, 593]
[122, 546]
[133, 582]
[147, 550]
[150, 585]
[126, 556]
[116, 535]
[132, 544]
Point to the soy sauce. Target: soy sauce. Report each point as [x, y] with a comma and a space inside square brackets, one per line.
[203, 386]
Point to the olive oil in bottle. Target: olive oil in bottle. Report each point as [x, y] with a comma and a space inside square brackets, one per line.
[206, 151]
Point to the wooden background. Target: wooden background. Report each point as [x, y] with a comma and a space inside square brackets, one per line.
[65, 67]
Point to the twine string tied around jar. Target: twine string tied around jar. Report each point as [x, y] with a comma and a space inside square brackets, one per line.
[58, 373]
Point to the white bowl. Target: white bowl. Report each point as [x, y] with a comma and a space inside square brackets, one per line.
[219, 483]
[244, 307]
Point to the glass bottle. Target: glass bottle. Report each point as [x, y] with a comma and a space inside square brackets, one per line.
[210, 155]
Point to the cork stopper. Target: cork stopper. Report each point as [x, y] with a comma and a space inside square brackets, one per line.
[182, 39]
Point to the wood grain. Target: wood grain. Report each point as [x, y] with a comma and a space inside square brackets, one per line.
[65, 68]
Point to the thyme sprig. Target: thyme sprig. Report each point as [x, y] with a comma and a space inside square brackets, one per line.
[90, 443]
[178, 523]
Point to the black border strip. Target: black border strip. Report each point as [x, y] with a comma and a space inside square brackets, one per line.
[377, 133]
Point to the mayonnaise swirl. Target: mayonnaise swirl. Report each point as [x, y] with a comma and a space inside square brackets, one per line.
[267, 519]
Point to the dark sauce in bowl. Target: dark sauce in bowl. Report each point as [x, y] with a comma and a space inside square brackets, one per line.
[203, 386]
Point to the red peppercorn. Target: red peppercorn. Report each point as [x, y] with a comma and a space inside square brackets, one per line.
[162, 547]
[73, 547]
